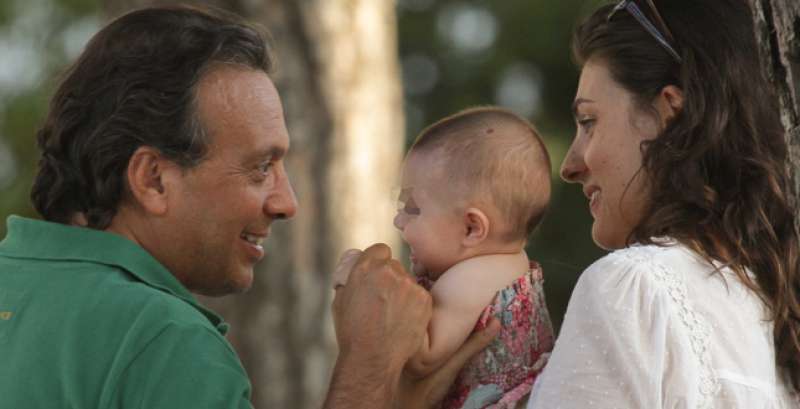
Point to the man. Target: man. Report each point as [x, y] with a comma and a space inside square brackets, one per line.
[161, 173]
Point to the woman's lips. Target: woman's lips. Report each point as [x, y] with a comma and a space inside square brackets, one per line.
[594, 200]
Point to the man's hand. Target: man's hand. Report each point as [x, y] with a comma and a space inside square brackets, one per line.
[429, 392]
[380, 317]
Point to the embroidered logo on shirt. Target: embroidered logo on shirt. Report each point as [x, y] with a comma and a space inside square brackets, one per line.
[11, 303]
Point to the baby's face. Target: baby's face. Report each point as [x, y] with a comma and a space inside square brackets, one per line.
[428, 222]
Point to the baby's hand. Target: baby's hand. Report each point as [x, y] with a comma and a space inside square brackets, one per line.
[342, 270]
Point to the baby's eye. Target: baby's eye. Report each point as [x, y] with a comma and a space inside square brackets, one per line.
[407, 207]
[411, 210]
[405, 202]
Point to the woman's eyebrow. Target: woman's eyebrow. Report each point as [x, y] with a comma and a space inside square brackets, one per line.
[577, 103]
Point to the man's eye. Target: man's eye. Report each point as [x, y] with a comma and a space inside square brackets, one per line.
[265, 167]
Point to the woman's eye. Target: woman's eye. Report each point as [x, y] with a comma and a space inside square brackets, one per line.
[586, 123]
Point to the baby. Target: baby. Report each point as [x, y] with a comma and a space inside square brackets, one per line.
[474, 187]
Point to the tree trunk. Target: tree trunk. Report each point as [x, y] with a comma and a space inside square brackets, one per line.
[338, 75]
[777, 24]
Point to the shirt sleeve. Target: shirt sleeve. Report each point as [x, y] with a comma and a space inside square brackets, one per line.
[613, 346]
[184, 366]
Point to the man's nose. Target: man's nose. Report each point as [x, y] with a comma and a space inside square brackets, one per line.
[282, 203]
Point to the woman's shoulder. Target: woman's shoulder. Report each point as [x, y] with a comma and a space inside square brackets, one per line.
[647, 279]
[640, 264]
[663, 251]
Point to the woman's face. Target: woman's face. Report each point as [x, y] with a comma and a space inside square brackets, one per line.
[605, 157]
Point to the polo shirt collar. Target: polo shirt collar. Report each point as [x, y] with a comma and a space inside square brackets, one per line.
[37, 239]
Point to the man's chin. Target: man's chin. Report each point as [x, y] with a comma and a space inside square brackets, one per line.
[237, 287]
[240, 284]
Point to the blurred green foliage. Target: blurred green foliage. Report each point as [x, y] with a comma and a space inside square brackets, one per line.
[5, 12]
[79, 7]
[531, 34]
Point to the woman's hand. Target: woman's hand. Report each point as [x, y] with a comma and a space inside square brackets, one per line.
[429, 392]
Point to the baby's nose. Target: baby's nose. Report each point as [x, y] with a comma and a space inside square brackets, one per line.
[398, 221]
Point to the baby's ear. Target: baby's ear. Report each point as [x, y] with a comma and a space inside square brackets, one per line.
[476, 225]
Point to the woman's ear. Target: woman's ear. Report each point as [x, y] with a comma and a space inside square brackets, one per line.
[477, 227]
[669, 103]
[146, 172]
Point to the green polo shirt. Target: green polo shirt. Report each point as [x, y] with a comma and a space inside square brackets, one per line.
[88, 319]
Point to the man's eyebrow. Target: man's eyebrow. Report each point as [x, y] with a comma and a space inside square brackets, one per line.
[272, 152]
[578, 102]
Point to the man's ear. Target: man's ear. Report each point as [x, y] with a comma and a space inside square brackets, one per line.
[477, 227]
[669, 103]
[146, 174]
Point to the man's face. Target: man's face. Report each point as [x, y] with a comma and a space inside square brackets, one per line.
[224, 206]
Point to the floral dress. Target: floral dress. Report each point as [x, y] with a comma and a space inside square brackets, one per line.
[503, 373]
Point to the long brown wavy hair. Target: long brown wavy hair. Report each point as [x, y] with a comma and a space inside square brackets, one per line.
[718, 172]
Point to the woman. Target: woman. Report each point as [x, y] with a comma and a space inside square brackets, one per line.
[680, 151]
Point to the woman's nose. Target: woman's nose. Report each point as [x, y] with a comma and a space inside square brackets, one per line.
[573, 165]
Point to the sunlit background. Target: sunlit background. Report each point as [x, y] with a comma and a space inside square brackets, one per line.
[453, 54]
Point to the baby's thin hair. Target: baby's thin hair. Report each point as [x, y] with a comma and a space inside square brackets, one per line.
[493, 154]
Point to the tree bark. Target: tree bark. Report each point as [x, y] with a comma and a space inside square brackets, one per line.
[337, 72]
[777, 25]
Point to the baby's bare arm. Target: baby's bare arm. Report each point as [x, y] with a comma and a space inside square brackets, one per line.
[459, 297]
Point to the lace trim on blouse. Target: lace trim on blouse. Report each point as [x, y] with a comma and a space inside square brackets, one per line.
[699, 329]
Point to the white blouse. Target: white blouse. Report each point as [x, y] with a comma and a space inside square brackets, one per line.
[651, 327]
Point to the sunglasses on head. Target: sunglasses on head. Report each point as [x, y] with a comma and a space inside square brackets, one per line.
[636, 12]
